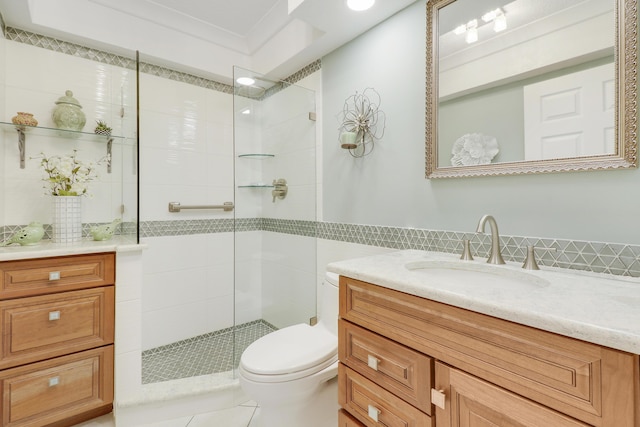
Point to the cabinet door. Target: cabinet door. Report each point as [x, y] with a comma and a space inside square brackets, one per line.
[471, 402]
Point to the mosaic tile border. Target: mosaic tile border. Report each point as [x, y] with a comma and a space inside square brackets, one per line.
[56, 45]
[599, 257]
[124, 229]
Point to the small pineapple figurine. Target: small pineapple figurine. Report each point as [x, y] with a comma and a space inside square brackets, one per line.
[102, 128]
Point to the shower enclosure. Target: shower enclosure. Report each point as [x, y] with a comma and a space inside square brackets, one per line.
[214, 281]
[275, 216]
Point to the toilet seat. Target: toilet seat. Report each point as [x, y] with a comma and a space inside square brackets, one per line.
[288, 354]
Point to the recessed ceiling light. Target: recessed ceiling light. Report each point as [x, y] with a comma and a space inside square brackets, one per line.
[359, 5]
[245, 81]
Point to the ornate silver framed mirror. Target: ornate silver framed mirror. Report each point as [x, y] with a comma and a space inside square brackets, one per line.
[530, 86]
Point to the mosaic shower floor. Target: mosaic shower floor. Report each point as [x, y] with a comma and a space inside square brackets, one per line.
[205, 354]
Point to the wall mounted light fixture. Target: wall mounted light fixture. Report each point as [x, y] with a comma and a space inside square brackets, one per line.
[361, 122]
[470, 29]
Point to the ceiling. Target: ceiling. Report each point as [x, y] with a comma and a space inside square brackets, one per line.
[204, 37]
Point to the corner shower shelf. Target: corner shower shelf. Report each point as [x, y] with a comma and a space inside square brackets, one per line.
[45, 131]
[256, 155]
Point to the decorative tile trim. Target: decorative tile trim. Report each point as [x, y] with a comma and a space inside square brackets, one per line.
[73, 49]
[304, 72]
[80, 51]
[599, 257]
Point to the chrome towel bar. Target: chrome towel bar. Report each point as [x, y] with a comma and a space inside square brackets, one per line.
[176, 207]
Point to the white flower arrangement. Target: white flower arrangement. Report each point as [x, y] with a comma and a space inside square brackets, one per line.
[67, 175]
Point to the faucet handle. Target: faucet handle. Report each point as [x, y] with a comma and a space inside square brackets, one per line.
[530, 261]
[466, 250]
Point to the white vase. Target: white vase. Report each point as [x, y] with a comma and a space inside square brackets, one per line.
[67, 219]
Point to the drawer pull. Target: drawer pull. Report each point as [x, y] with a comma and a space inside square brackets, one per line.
[54, 381]
[54, 275]
[373, 413]
[372, 362]
[54, 315]
[438, 397]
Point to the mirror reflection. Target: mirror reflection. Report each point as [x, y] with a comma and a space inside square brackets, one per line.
[523, 81]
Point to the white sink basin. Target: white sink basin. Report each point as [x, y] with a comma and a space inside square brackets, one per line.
[467, 275]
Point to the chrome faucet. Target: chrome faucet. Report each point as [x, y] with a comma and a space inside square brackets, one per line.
[495, 257]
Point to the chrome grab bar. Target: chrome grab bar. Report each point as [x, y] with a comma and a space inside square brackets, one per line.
[176, 207]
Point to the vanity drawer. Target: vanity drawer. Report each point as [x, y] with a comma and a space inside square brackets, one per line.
[397, 368]
[346, 420]
[30, 277]
[365, 399]
[46, 392]
[560, 372]
[37, 328]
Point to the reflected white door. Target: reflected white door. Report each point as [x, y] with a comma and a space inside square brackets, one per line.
[570, 116]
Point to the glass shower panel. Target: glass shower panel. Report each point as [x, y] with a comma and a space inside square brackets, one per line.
[275, 216]
[187, 293]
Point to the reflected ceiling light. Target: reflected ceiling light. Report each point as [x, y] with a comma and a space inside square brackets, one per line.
[460, 29]
[246, 111]
[489, 16]
[360, 5]
[500, 22]
[472, 31]
[245, 81]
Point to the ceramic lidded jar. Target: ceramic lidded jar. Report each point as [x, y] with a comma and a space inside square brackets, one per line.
[68, 113]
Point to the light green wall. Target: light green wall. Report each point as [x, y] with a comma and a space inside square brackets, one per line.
[388, 187]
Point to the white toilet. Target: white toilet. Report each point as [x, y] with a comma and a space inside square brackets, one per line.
[290, 373]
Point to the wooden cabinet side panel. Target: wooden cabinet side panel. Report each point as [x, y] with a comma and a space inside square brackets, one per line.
[560, 372]
[32, 276]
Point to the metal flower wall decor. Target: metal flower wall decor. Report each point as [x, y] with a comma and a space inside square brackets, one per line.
[362, 122]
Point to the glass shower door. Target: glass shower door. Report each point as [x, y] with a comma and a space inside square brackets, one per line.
[275, 215]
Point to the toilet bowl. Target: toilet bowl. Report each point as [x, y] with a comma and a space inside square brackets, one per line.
[290, 373]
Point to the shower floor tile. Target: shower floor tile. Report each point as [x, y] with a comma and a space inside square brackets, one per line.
[202, 355]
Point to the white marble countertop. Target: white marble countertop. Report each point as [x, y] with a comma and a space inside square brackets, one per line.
[46, 248]
[598, 308]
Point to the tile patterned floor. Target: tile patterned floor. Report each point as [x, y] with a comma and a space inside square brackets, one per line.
[205, 354]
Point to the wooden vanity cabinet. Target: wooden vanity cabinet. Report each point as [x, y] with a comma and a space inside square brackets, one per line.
[57, 318]
[462, 368]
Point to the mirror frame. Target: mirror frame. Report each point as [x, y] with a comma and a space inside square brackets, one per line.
[626, 115]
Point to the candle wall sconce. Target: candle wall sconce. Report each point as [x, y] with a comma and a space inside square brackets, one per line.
[362, 122]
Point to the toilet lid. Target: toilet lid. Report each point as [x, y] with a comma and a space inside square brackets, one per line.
[288, 350]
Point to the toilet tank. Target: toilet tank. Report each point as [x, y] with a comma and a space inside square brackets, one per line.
[328, 312]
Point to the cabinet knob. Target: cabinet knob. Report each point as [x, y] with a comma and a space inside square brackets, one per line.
[373, 412]
[54, 315]
[438, 398]
[54, 381]
[54, 275]
[372, 361]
